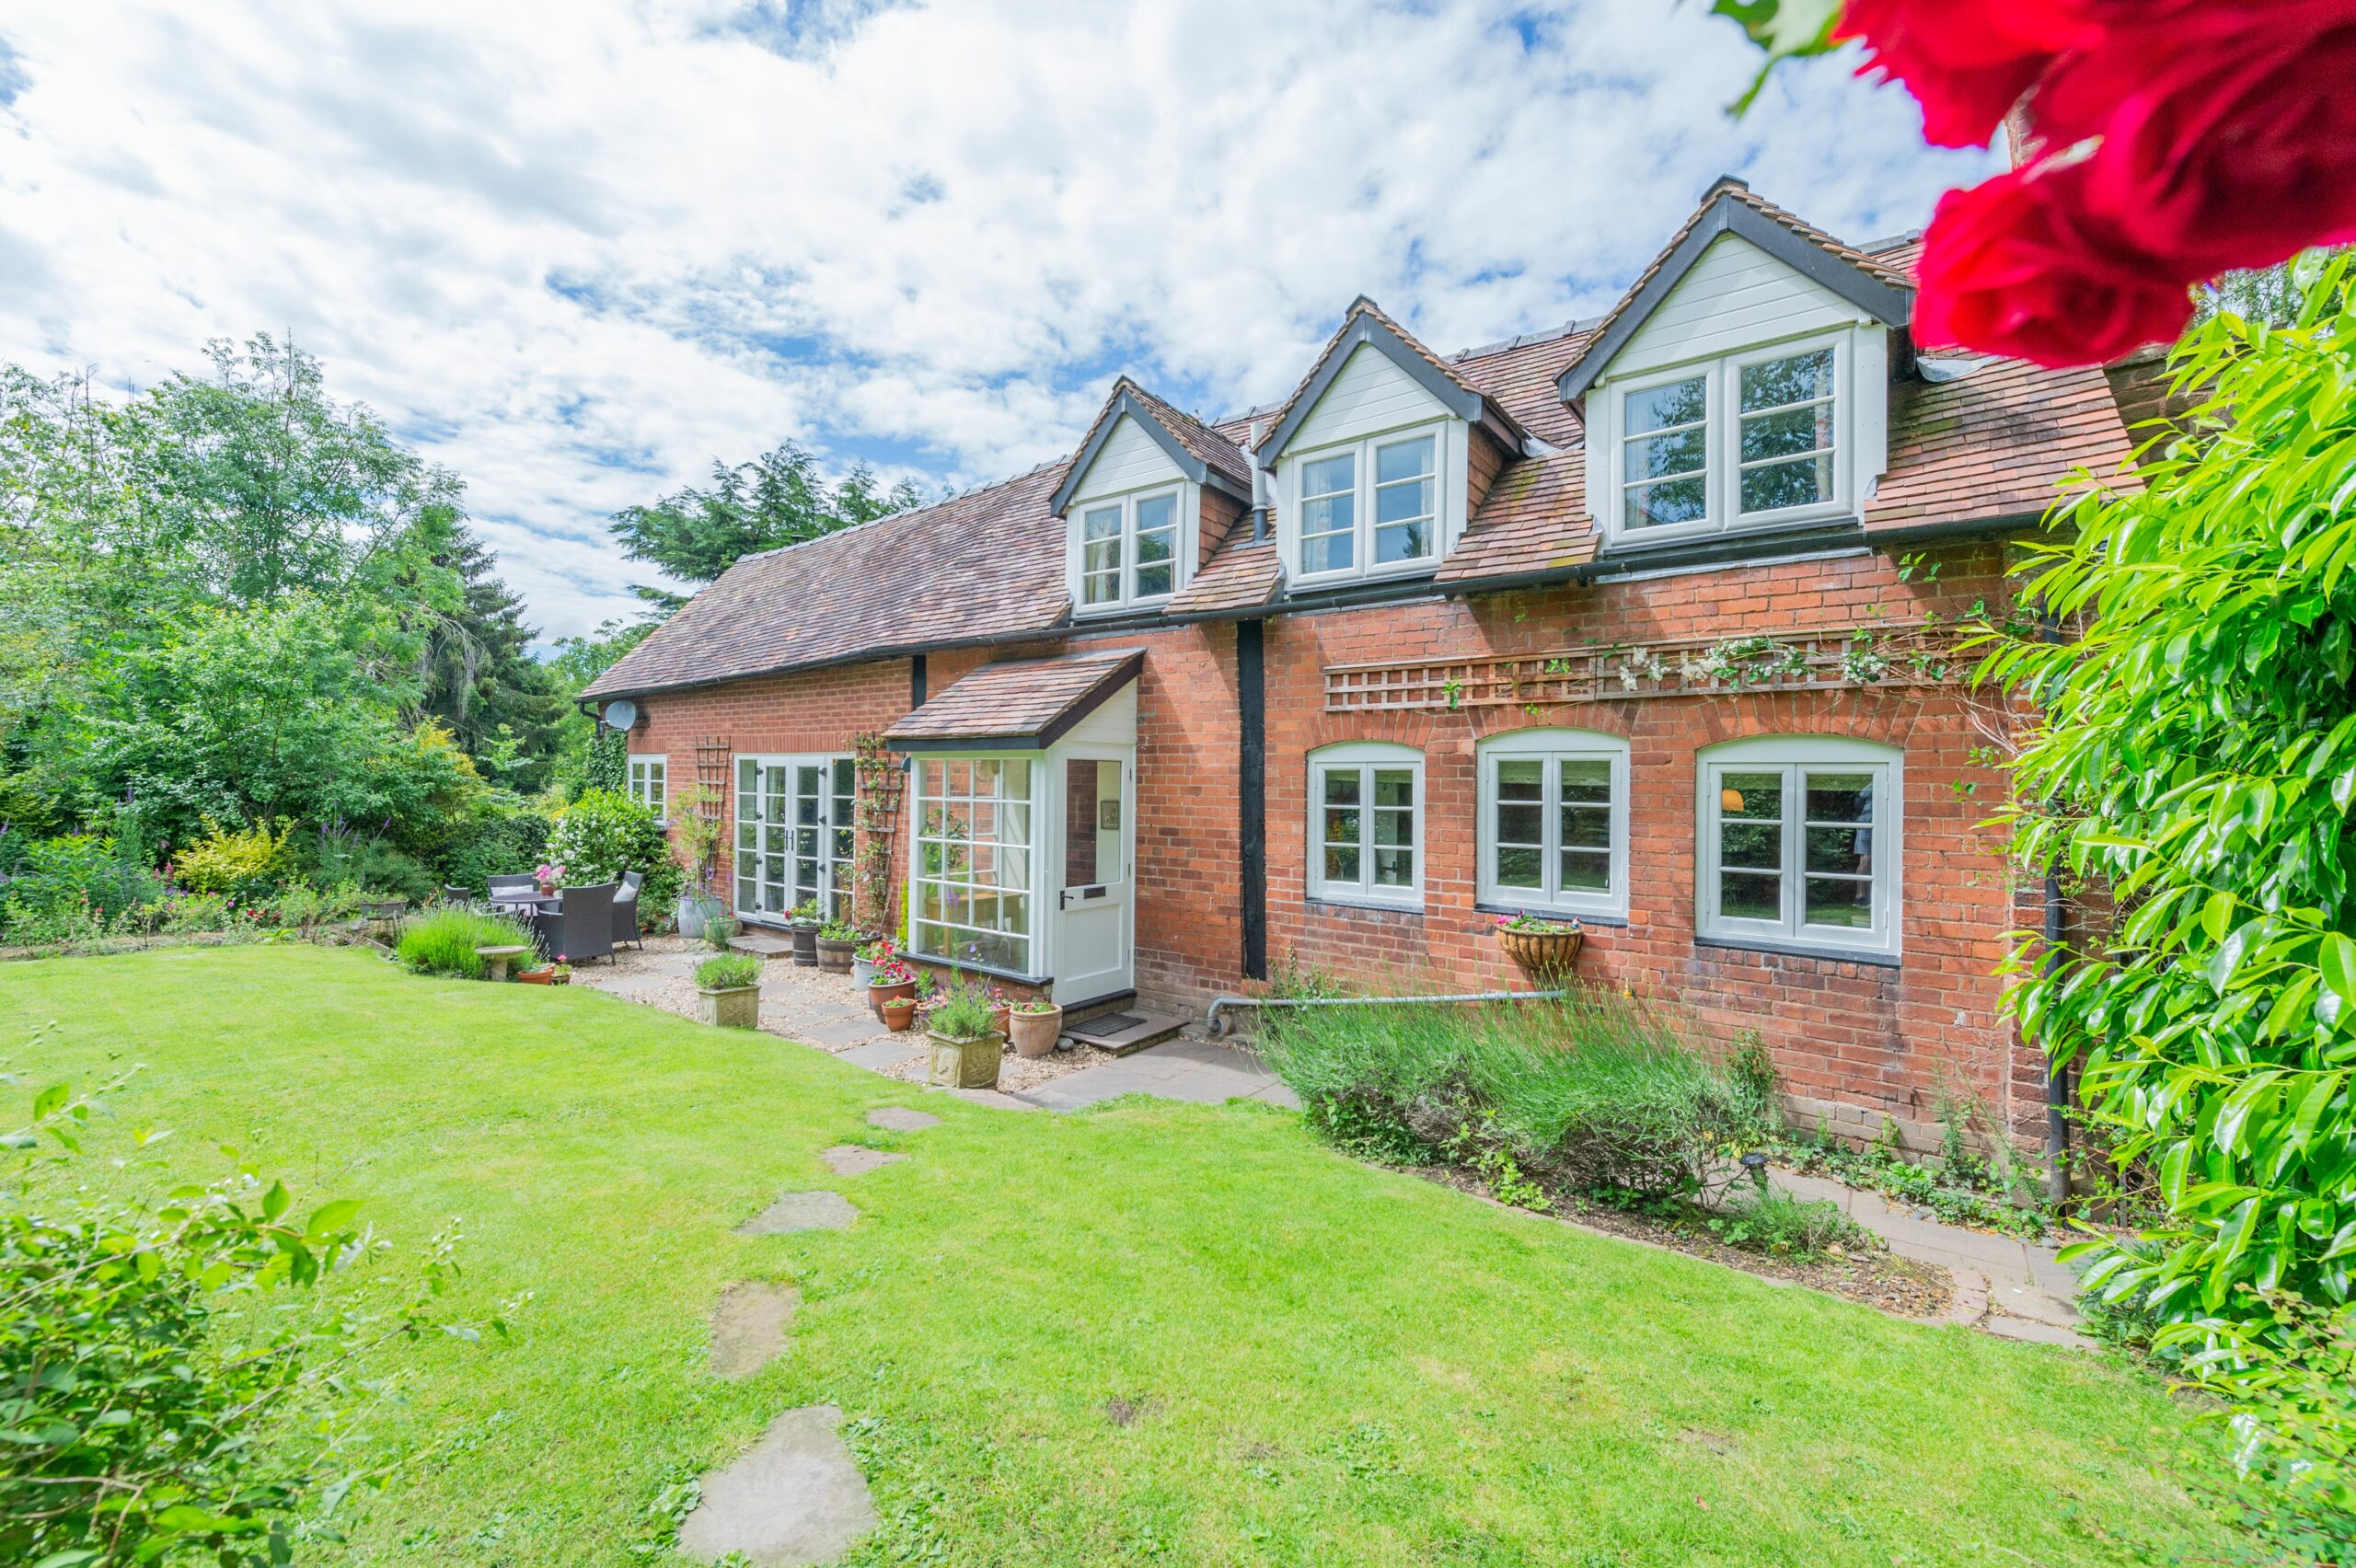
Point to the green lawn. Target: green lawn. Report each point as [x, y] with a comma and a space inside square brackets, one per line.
[1333, 1364]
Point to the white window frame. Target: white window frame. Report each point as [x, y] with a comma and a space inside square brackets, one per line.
[1033, 937]
[636, 766]
[1724, 489]
[1362, 561]
[1554, 746]
[1364, 757]
[1185, 542]
[1793, 758]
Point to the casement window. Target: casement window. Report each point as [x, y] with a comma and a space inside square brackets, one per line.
[1129, 548]
[794, 831]
[1800, 845]
[647, 782]
[1754, 440]
[1554, 827]
[972, 869]
[1371, 507]
[1365, 824]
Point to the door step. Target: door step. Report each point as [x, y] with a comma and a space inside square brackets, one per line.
[1122, 1033]
[762, 944]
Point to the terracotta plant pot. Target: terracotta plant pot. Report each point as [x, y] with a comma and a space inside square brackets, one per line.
[1545, 956]
[537, 977]
[881, 995]
[899, 1015]
[836, 955]
[805, 945]
[1035, 1032]
[739, 1007]
[966, 1064]
[1001, 1019]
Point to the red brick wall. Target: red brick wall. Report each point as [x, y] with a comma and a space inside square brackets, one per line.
[1865, 1038]
[1854, 1042]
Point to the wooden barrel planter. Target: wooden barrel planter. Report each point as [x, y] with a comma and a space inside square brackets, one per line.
[1547, 956]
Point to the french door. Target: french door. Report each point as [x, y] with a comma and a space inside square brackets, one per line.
[793, 834]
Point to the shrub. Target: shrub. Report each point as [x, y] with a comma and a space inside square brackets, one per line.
[174, 1391]
[444, 943]
[339, 856]
[605, 834]
[2291, 1406]
[244, 864]
[1775, 1222]
[964, 1014]
[500, 843]
[1592, 1093]
[78, 875]
[728, 971]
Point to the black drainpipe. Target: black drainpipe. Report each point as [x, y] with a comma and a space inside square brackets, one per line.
[915, 680]
[1251, 795]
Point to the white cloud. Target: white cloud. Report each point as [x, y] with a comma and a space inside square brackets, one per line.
[576, 250]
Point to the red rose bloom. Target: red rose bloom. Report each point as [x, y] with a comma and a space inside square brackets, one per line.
[2228, 135]
[2007, 269]
[1967, 62]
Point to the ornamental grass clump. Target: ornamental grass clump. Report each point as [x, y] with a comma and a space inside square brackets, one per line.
[729, 972]
[444, 943]
[1594, 1093]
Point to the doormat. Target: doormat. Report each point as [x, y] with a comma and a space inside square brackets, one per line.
[1101, 1027]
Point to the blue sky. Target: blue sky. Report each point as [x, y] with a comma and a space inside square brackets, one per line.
[576, 252]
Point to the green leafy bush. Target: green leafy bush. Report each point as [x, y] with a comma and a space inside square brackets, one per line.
[605, 834]
[500, 843]
[728, 971]
[2291, 1404]
[170, 1382]
[964, 1014]
[443, 942]
[1775, 1222]
[1592, 1093]
[80, 875]
[243, 863]
[339, 856]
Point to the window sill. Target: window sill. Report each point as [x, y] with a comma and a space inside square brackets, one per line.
[967, 966]
[1365, 905]
[1540, 912]
[1317, 582]
[1826, 951]
[1154, 606]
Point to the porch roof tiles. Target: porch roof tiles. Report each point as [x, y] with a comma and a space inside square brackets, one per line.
[1022, 703]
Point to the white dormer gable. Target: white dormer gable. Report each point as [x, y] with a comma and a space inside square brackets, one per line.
[1131, 517]
[1743, 387]
[1129, 459]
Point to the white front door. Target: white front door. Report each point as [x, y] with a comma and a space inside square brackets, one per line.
[1093, 911]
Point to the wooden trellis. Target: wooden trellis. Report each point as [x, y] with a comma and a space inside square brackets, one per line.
[877, 815]
[1879, 653]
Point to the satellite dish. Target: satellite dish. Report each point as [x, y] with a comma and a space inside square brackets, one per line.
[621, 713]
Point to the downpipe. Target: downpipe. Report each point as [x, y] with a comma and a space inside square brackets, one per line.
[1221, 1021]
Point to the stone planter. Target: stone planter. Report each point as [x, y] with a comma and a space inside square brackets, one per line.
[1035, 1032]
[1546, 957]
[837, 955]
[880, 995]
[806, 944]
[966, 1064]
[739, 1007]
[900, 1015]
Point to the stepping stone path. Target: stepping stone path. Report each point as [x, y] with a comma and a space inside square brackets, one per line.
[748, 1326]
[794, 1498]
[900, 1119]
[850, 1159]
[802, 1211]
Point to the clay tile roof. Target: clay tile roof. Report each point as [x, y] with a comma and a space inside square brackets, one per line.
[1994, 446]
[1534, 519]
[1520, 377]
[1239, 576]
[1022, 703]
[985, 565]
[1196, 437]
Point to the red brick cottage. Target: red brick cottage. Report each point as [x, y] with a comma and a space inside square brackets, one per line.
[1644, 621]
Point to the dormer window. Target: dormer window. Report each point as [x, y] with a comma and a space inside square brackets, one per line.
[1128, 549]
[1371, 507]
[1753, 440]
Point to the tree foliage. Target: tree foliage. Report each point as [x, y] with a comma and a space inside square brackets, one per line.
[2197, 756]
[777, 499]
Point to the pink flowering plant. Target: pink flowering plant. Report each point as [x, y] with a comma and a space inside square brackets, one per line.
[1534, 923]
